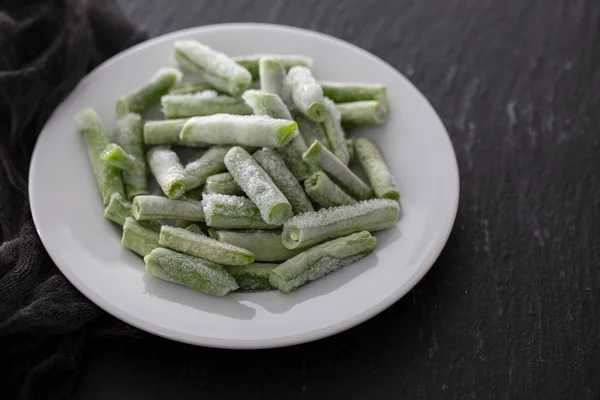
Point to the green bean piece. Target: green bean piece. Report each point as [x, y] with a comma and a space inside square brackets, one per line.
[325, 192]
[195, 228]
[145, 97]
[275, 167]
[270, 104]
[315, 227]
[166, 132]
[168, 171]
[334, 132]
[351, 152]
[216, 68]
[198, 274]
[222, 184]
[241, 130]
[232, 212]
[337, 171]
[306, 93]
[129, 135]
[202, 246]
[345, 92]
[310, 130]
[108, 178]
[258, 186]
[151, 207]
[265, 245]
[321, 260]
[251, 62]
[359, 113]
[376, 169]
[273, 79]
[119, 209]
[251, 277]
[138, 238]
[115, 156]
[209, 163]
[190, 88]
[207, 102]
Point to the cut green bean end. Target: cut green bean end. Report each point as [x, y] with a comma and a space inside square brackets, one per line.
[175, 188]
[286, 133]
[316, 111]
[280, 212]
[314, 151]
[122, 107]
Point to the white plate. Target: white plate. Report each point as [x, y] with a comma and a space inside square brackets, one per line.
[68, 213]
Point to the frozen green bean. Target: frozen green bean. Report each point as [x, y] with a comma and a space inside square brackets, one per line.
[258, 186]
[344, 92]
[325, 192]
[138, 238]
[198, 274]
[207, 102]
[274, 166]
[306, 93]
[321, 260]
[115, 156]
[167, 132]
[222, 184]
[339, 172]
[315, 227]
[377, 170]
[351, 152]
[157, 207]
[273, 79]
[251, 277]
[190, 87]
[108, 178]
[168, 171]
[310, 130]
[287, 61]
[265, 245]
[129, 135]
[194, 228]
[270, 104]
[202, 246]
[334, 132]
[209, 163]
[216, 68]
[145, 97]
[119, 209]
[232, 212]
[360, 113]
[243, 130]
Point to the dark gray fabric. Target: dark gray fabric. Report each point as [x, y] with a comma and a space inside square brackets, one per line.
[46, 47]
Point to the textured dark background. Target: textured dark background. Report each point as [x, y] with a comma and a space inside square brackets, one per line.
[511, 310]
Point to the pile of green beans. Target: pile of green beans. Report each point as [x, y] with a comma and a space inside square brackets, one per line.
[270, 201]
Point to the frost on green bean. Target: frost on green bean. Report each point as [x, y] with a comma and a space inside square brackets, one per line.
[168, 171]
[334, 132]
[273, 79]
[198, 274]
[207, 102]
[166, 132]
[325, 192]
[287, 61]
[137, 238]
[199, 245]
[275, 167]
[158, 207]
[376, 169]
[321, 260]
[108, 178]
[306, 93]
[145, 97]
[209, 163]
[258, 186]
[222, 183]
[360, 113]
[129, 135]
[314, 227]
[232, 212]
[338, 171]
[252, 277]
[216, 68]
[242, 130]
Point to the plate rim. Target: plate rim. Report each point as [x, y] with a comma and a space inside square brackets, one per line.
[284, 341]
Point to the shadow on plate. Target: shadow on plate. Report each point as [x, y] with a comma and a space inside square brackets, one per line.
[226, 306]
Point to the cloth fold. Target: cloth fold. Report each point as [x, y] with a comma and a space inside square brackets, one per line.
[46, 47]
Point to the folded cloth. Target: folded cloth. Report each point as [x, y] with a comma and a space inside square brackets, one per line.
[46, 47]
